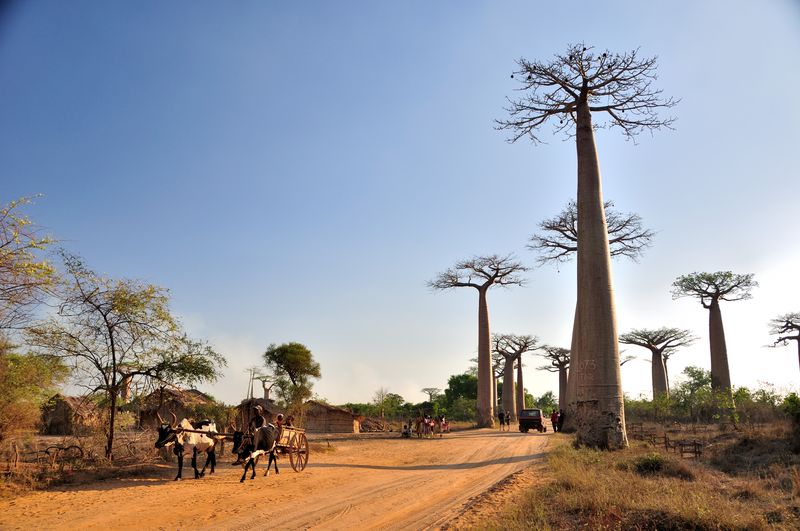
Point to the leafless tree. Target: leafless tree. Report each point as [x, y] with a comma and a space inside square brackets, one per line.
[557, 240]
[787, 328]
[511, 347]
[559, 362]
[432, 392]
[661, 343]
[481, 273]
[566, 92]
[711, 288]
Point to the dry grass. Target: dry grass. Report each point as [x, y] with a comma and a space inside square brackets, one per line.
[647, 489]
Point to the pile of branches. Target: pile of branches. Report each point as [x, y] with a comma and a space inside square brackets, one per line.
[371, 424]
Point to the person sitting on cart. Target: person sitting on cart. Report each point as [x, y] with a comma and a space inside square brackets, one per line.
[289, 421]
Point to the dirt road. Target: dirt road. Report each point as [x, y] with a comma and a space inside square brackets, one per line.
[360, 484]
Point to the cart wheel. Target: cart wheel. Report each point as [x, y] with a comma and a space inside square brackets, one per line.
[298, 452]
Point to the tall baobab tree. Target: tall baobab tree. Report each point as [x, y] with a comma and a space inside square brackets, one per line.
[711, 288]
[557, 239]
[659, 342]
[559, 362]
[783, 327]
[481, 273]
[511, 347]
[566, 92]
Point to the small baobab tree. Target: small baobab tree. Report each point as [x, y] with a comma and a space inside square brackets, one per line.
[711, 288]
[559, 362]
[557, 239]
[567, 92]
[660, 342]
[787, 328]
[481, 273]
[511, 347]
[432, 392]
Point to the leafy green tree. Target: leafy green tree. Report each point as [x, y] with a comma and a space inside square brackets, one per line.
[26, 382]
[24, 274]
[294, 369]
[546, 402]
[571, 91]
[461, 386]
[114, 332]
[711, 288]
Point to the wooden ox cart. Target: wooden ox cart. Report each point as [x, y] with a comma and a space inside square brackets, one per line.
[293, 441]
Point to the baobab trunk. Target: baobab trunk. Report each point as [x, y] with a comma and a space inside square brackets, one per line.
[508, 389]
[569, 396]
[598, 408]
[720, 374]
[562, 390]
[485, 408]
[520, 388]
[659, 373]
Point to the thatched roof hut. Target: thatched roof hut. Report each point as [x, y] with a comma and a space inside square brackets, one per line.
[324, 418]
[179, 401]
[69, 415]
[247, 410]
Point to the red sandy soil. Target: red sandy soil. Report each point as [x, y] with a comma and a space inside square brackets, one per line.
[362, 483]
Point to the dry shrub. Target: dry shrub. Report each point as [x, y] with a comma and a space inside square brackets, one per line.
[642, 489]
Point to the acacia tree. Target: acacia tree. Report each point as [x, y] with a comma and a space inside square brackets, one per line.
[113, 332]
[566, 92]
[293, 368]
[710, 289]
[511, 347]
[662, 343]
[787, 328]
[559, 362]
[481, 273]
[557, 240]
[24, 275]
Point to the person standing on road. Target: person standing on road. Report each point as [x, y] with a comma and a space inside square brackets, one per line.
[508, 421]
[560, 419]
[502, 416]
[554, 420]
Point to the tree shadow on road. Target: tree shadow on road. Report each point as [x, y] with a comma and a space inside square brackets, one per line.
[438, 466]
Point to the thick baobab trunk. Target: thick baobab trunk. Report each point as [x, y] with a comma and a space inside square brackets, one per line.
[485, 408]
[720, 374]
[598, 408]
[562, 391]
[569, 396]
[520, 387]
[508, 388]
[659, 373]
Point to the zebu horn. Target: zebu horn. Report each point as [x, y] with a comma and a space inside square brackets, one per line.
[174, 419]
[160, 420]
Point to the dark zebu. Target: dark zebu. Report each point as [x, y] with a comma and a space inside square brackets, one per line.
[249, 448]
[186, 441]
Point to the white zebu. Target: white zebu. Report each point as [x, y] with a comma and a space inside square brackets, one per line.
[189, 441]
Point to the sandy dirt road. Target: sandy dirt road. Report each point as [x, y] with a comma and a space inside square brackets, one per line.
[362, 484]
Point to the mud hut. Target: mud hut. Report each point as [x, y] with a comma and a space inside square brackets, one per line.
[247, 410]
[324, 418]
[69, 415]
[184, 403]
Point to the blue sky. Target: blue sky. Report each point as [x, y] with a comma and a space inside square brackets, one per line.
[297, 172]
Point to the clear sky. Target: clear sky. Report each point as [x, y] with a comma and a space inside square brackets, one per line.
[299, 171]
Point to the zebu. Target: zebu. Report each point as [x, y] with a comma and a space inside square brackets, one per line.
[249, 448]
[189, 441]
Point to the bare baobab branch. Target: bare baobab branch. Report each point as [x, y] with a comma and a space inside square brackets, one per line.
[787, 328]
[558, 239]
[618, 86]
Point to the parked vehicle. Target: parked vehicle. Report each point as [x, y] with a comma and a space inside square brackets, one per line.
[531, 419]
